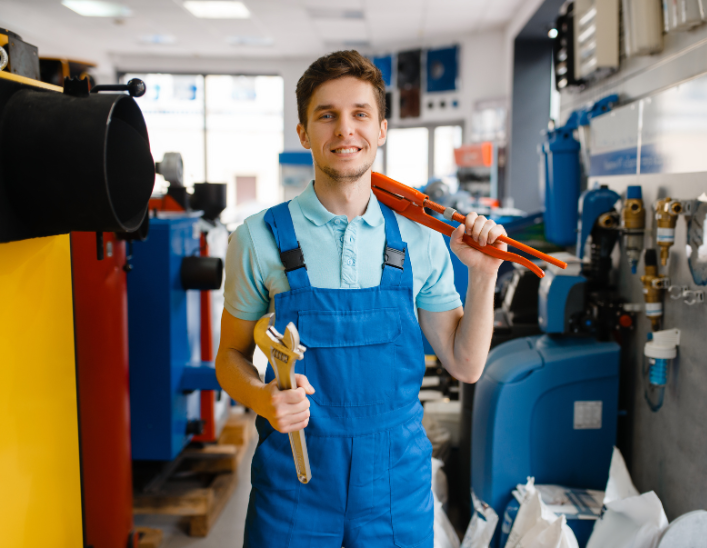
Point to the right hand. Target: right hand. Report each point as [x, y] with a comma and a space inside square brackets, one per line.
[288, 410]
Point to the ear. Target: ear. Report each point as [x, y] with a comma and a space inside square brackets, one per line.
[303, 138]
[383, 133]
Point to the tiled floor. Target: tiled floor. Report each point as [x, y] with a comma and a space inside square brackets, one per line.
[228, 530]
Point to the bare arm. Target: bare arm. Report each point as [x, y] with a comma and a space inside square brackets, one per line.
[286, 410]
[461, 337]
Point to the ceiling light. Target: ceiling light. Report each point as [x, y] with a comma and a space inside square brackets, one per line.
[209, 9]
[552, 33]
[91, 8]
[257, 41]
[160, 39]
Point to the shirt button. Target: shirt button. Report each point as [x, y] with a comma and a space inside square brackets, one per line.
[349, 262]
[351, 239]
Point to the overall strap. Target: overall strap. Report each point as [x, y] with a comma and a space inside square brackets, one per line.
[279, 220]
[397, 269]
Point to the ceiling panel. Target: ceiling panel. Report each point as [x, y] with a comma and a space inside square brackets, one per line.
[290, 24]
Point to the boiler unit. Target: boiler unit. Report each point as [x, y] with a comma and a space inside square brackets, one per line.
[166, 370]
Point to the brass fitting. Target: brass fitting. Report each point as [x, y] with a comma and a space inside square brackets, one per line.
[653, 287]
[666, 216]
[633, 224]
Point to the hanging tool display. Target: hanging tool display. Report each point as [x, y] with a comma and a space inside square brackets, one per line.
[660, 351]
[666, 217]
[411, 203]
[653, 286]
[283, 351]
[633, 224]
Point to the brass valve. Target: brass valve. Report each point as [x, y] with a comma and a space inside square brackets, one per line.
[666, 216]
[653, 286]
[633, 224]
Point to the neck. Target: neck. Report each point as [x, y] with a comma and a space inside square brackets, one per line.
[348, 198]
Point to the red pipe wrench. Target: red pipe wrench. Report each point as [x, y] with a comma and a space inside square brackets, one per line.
[410, 203]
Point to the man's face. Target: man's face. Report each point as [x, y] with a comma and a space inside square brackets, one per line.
[343, 128]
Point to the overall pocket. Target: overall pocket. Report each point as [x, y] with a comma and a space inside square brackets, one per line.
[351, 355]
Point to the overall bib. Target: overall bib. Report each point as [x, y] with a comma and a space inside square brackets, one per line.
[369, 455]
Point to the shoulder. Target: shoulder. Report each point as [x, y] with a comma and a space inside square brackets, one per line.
[254, 231]
[420, 238]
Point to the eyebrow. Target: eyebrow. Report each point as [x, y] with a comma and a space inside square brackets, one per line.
[319, 108]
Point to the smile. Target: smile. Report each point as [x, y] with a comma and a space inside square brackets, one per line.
[349, 150]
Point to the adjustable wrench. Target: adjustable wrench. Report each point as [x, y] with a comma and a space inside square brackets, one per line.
[282, 350]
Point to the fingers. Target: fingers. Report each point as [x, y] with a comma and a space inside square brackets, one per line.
[303, 382]
[493, 235]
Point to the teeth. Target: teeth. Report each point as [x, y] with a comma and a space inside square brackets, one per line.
[346, 150]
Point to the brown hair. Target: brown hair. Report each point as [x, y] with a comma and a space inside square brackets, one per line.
[337, 65]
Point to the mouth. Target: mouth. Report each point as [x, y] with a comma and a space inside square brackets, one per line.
[345, 151]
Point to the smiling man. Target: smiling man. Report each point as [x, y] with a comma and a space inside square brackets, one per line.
[359, 281]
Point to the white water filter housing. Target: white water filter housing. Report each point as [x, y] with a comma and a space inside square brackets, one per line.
[664, 345]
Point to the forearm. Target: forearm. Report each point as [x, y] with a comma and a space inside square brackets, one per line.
[472, 338]
[240, 379]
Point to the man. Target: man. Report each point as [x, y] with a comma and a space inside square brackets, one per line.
[327, 262]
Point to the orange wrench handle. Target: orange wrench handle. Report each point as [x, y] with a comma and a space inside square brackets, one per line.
[417, 214]
[410, 203]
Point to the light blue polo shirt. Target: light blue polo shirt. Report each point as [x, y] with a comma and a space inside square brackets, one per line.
[338, 254]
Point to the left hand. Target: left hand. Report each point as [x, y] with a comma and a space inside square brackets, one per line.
[483, 231]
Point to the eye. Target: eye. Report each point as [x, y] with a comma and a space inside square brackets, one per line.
[362, 115]
[325, 116]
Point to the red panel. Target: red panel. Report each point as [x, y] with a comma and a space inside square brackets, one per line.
[101, 320]
[208, 397]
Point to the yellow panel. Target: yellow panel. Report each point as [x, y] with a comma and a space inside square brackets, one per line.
[28, 81]
[40, 486]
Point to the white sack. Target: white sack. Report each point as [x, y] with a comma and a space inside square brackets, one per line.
[482, 526]
[444, 533]
[439, 481]
[630, 520]
[537, 527]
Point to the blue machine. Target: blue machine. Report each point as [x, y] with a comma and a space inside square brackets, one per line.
[547, 406]
[561, 160]
[164, 331]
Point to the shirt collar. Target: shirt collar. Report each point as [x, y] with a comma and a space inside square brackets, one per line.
[313, 209]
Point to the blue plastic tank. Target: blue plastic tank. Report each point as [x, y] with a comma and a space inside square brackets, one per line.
[562, 182]
[546, 406]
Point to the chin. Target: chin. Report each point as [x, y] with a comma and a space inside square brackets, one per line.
[347, 174]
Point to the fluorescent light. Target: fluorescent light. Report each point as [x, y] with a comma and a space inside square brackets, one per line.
[91, 8]
[217, 9]
[257, 41]
[160, 39]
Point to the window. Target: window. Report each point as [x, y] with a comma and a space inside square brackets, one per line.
[447, 138]
[407, 153]
[227, 128]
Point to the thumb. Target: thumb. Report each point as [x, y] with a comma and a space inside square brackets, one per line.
[457, 235]
[304, 383]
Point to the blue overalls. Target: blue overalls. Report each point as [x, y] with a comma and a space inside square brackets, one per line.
[369, 455]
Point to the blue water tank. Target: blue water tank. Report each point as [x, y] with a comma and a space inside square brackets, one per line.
[164, 329]
[545, 406]
[562, 182]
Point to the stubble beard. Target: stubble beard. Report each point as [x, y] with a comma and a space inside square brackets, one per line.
[340, 176]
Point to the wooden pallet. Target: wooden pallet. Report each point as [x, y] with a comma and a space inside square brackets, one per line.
[148, 537]
[200, 482]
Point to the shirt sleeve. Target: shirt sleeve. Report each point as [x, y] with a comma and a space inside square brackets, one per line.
[438, 292]
[245, 294]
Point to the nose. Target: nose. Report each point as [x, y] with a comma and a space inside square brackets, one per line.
[344, 127]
